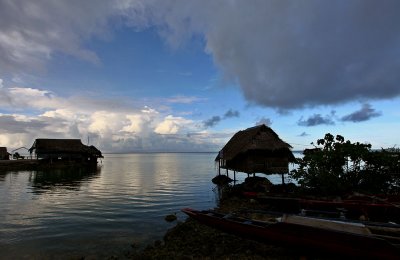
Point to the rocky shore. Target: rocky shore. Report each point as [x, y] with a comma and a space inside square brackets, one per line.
[191, 240]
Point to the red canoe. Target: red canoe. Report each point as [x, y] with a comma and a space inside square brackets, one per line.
[376, 211]
[312, 235]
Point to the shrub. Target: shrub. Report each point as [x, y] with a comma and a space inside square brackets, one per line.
[336, 166]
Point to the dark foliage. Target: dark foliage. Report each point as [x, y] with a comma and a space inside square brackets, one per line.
[337, 167]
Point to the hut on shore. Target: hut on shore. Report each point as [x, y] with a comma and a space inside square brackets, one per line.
[256, 150]
[65, 150]
[4, 155]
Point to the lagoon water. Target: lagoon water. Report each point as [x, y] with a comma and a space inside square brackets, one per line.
[68, 214]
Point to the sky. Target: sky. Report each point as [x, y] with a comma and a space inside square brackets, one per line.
[184, 76]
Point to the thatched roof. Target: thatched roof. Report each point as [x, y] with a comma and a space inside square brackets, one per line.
[63, 146]
[260, 137]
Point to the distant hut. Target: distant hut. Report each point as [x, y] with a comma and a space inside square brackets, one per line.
[4, 155]
[65, 150]
[256, 150]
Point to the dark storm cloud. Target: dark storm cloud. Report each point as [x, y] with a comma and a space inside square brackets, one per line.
[294, 54]
[364, 114]
[315, 120]
[31, 31]
[310, 53]
[283, 54]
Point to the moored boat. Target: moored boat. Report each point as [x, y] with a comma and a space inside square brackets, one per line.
[306, 233]
[374, 210]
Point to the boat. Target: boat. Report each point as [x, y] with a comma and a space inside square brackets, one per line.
[305, 233]
[374, 210]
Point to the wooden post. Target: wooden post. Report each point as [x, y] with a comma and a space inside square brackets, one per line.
[234, 176]
[219, 166]
[227, 173]
[283, 179]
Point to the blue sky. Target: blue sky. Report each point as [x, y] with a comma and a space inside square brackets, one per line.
[186, 75]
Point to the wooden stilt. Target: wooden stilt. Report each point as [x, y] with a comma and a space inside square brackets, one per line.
[227, 173]
[219, 167]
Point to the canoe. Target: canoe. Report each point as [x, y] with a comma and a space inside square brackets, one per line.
[377, 211]
[306, 235]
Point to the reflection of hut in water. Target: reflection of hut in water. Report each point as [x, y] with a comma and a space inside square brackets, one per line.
[4, 155]
[71, 150]
[67, 178]
[256, 150]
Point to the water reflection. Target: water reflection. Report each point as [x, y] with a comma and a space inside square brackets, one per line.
[79, 211]
[66, 178]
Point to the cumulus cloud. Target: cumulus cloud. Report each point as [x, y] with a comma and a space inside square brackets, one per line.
[171, 125]
[316, 119]
[365, 113]
[19, 124]
[117, 129]
[284, 54]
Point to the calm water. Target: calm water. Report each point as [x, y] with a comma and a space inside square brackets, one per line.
[61, 213]
[64, 214]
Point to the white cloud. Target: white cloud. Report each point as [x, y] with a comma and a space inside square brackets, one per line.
[140, 123]
[171, 125]
[105, 123]
[61, 113]
[184, 99]
[118, 129]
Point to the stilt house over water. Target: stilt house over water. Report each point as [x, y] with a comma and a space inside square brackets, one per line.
[4, 155]
[65, 150]
[256, 150]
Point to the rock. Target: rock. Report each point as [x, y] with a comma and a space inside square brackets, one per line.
[221, 180]
[170, 217]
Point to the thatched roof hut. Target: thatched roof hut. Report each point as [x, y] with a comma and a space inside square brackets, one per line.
[64, 149]
[256, 150]
[4, 155]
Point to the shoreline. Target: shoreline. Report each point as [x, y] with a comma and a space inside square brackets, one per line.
[189, 239]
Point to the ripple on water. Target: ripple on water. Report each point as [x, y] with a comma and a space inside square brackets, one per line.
[66, 213]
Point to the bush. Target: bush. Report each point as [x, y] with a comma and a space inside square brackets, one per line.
[336, 166]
